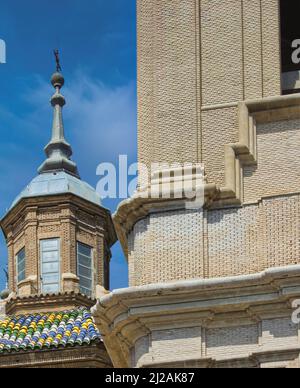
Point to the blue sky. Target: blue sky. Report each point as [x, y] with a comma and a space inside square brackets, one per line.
[97, 40]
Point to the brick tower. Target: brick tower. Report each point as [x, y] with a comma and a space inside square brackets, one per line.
[58, 234]
[59, 238]
[212, 286]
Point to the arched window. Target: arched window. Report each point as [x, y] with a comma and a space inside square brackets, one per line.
[290, 45]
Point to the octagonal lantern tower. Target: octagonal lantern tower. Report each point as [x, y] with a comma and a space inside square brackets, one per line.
[58, 234]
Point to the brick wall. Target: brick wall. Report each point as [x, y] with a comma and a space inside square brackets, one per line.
[196, 61]
[191, 244]
[67, 221]
[278, 168]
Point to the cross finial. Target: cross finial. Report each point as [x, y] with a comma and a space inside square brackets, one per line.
[56, 54]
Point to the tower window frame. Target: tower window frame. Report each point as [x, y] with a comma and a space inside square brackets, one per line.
[21, 265]
[48, 260]
[86, 281]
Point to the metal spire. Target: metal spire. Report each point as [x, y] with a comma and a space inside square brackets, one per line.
[58, 151]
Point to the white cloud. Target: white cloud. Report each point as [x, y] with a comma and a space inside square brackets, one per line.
[102, 119]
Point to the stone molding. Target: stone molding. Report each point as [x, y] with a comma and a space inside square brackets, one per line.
[140, 205]
[44, 303]
[124, 316]
[282, 358]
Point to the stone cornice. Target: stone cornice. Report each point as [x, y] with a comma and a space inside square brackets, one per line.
[138, 207]
[125, 315]
[47, 303]
[254, 360]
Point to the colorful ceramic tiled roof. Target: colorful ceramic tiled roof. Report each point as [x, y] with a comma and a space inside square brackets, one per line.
[45, 331]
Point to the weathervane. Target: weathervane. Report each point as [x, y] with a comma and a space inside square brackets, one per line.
[56, 54]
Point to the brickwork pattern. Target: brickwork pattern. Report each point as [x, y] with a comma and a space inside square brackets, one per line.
[221, 51]
[188, 341]
[193, 55]
[174, 242]
[219, 127]
[197, 59]
[171, 246]
[224, 343]
[234, 242]
[230, 342]
[167, 81]
[68, 223]
[252, 49]
[279, 332]
[278, 169]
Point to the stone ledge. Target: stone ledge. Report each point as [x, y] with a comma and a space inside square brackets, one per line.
[44, 303]
[254, 360]
[126, 315]
[139, 206]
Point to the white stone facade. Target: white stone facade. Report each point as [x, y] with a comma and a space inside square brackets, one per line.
[212, 287]
[244, 321]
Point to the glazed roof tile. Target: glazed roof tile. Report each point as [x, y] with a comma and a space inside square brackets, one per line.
[44, 331]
